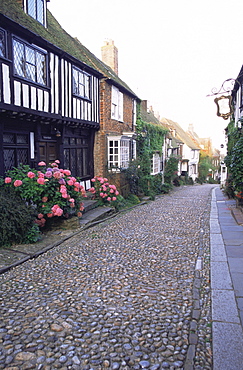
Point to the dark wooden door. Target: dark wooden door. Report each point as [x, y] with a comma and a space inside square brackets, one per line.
[48, 152]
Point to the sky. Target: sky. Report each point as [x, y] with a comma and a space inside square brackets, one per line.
[171, 53]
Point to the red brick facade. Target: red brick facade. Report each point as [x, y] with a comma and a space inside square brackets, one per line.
[111, 127]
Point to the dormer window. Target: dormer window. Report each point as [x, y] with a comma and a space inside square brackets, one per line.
[36, 9]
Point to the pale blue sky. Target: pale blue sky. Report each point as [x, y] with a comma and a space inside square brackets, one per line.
[171, 53]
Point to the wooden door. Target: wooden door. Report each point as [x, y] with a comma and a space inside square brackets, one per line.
[48, 152]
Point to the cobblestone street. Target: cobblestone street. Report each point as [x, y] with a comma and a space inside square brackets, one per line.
[130, 293]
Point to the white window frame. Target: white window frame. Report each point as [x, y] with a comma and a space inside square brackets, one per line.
[155, 164]
[116, 104]
[120, 151]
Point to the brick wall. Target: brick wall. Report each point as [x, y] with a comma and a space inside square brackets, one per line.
[110, 127]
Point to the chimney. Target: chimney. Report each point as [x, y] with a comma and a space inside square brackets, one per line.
[109, 55]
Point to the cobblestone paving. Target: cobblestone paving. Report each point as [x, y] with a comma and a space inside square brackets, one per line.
[122, 295]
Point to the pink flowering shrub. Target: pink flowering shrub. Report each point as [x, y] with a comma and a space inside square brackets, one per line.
[51, 191]
[103, 191]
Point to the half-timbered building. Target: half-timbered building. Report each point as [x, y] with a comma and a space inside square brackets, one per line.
[49, 92]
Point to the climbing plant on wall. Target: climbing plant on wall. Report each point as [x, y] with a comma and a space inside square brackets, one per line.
[234, 158]
[150, 139]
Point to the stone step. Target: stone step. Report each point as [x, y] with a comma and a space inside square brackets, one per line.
[96, 214]
[89, 204]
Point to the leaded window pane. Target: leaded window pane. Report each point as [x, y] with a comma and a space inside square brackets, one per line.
[8, 138]
[8, 157]
[35, 8]
[32, 8]
[22, 139]
[19, 58]
[2, 44]
[41, 68]
[22, 156]
[81, 84]
[29, 63]
[40, 11]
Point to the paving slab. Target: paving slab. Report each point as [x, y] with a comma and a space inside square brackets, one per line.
[227, 346]
[235, 264]
[237, 279]
[220, 276]
[224, 306]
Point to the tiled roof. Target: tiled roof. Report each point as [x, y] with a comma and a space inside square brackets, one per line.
[180, 133]
[58, 37]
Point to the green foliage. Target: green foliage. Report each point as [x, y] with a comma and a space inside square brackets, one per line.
[205, 163]
[165, 188]
[16, 219]
[171, 169]
[150, 140]
[236, 165]
[234, 161]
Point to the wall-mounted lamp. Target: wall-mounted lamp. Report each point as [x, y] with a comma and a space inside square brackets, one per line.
[57, 132]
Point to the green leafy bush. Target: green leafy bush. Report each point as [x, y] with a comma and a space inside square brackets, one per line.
[17, 219]
[165, 188]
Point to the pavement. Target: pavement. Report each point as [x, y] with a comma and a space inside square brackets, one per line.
[226, 244]
[226, 239]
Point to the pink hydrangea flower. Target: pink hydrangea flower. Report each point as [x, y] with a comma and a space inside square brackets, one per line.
[59, 212]
[67, 172]
[117, 192]
[57, 161]
[41, 163]
[7, 180]
[113, 198]
[48, 174]
[17, 183]
[31, 174]
[109, 199]
[41, 181]
[57, 175]
[40, 174]
[70, 182]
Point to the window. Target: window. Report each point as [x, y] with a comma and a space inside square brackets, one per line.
[116, 104]
[81, 83]
[120, 151]
[29, 62]
[2, 44]
[36, 9]
[155, 164]
[76, 155]
[15, 149]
